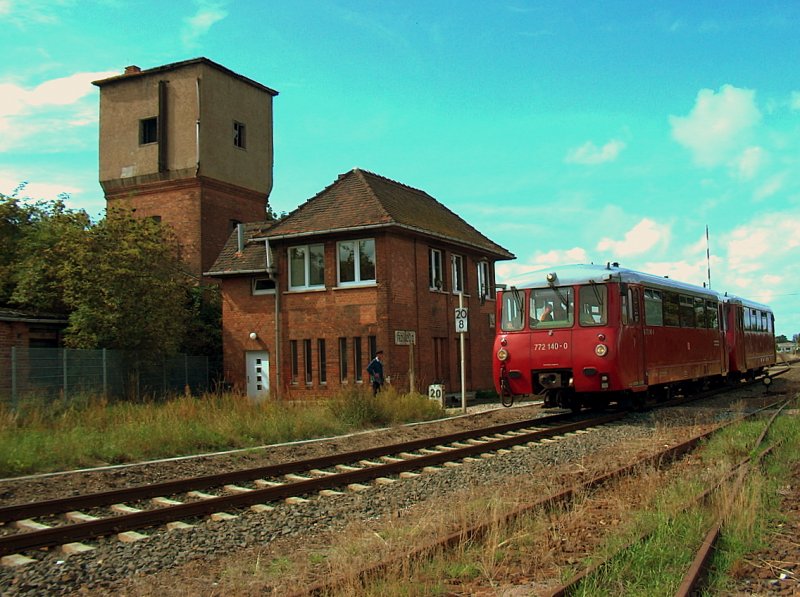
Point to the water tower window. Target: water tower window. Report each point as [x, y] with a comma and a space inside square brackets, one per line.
[239, 134]
[148, 130]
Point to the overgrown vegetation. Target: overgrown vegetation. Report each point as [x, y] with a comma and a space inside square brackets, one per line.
[530, 550]
[119, 281]
[93, 432]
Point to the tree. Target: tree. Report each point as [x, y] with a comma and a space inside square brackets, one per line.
[44, 251]
[781, 338]
[126, 288]
[15, 218]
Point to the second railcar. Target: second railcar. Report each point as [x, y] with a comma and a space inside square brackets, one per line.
[750, 337]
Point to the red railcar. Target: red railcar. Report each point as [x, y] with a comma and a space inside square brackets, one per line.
[585, 335]
[750, 336]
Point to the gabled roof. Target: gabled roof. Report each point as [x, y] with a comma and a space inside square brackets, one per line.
[360, 200]
[250, 260]
[134, 71]
[9, 314]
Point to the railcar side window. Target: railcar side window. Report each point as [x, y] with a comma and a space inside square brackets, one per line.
[512, 313]
[551, 307]
[672, 309]
[747, 319]
[687, 311]
[653, 311]
[592, 308]
[711, 315]
[700, 313]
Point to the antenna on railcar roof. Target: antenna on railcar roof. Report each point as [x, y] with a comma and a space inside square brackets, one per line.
[708, 257]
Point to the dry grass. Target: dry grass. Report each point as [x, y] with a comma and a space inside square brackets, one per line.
[96, 432]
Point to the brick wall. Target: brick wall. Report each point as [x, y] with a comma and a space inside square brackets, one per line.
[401, 300]
[199, 210]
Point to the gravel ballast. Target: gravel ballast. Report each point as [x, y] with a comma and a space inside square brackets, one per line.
[105, 569]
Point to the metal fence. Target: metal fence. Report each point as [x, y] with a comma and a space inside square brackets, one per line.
[45, 374]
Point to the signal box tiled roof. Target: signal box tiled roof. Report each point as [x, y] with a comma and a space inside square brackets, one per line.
[250, 260]
[357, 201]
[360, 200]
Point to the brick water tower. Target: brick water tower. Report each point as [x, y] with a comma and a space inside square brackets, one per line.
[189, 144]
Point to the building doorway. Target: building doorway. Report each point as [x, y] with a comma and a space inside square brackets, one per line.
[257, 373]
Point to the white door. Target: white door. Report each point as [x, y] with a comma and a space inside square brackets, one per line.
[257, 362]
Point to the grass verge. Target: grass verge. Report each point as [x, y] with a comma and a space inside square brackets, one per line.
[95, 432]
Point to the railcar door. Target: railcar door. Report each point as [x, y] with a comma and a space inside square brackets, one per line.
[631, 339]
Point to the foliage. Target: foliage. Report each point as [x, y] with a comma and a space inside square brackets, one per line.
[203, 334]
[358, 407]
[125, 286]
[33, 237]
[780, 339]
[120, 281]
[45, 251]
[93, 431]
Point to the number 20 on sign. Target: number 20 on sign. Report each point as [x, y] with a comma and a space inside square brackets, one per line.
[461, 320]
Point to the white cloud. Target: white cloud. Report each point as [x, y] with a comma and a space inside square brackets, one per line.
[641, 238]
[589, 153]
[692, 272]
[26, 13]
[34, 189]
[749, 162]
[208, 13]
[45, 112]
[768, 244]
[770, 187]
[510, 272]
[795, 101]
[717, 125]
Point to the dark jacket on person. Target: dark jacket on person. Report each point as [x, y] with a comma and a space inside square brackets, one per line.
[375, 370]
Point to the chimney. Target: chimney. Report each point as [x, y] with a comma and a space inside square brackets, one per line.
[240, 237]
[132, 69]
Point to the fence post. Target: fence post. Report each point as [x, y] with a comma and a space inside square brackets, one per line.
[14, 404]
[65, 374]
[105, 375]
[164, 378]
[185, 371]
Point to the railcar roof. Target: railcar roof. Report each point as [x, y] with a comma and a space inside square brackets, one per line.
[569, 275]
[732, 298]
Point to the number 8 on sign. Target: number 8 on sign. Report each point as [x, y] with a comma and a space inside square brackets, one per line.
[461, 320]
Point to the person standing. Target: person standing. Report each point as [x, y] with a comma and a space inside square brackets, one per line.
[375, 370]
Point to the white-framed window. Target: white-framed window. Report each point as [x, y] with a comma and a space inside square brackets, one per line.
[263, 286]
[239, 139]
[484, 281]
[457, 263]
[306, 267]
[436, 272]
[355, 261]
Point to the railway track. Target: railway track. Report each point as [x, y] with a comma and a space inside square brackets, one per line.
[563, 499]
[68, 521]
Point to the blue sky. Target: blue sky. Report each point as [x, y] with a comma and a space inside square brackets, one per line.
[565, 131]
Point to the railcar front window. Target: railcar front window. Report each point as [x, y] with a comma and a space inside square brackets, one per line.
[551, 307]
[592, 308]
[512, 316]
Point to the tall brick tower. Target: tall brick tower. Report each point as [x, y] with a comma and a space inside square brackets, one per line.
[190, 144]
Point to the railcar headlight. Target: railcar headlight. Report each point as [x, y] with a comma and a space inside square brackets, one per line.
[601, 350]
[502, 354]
